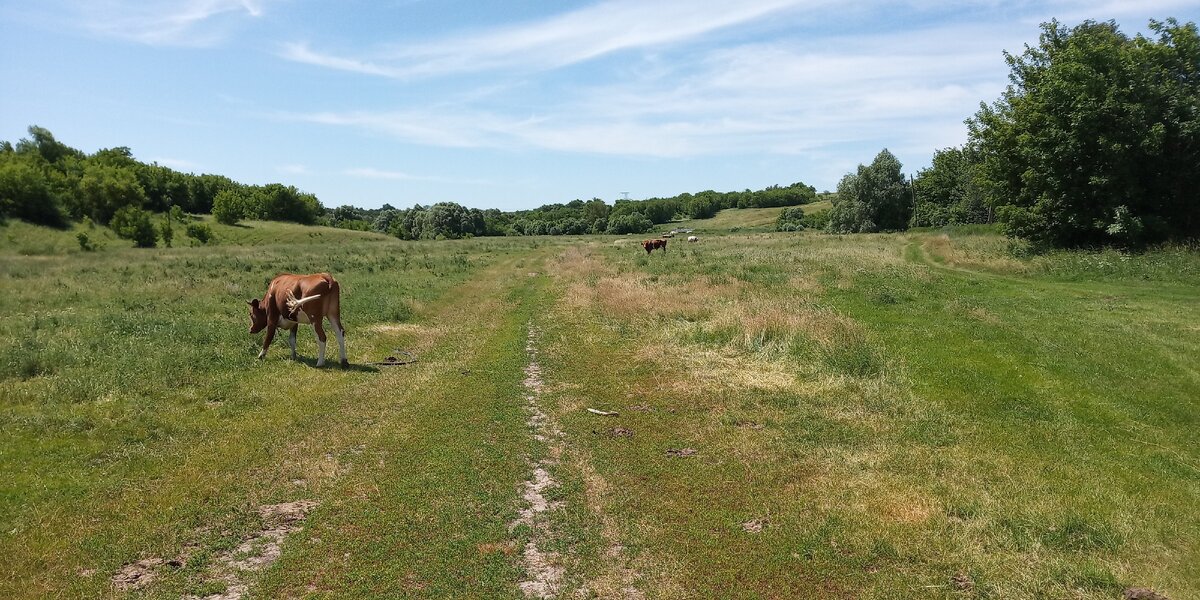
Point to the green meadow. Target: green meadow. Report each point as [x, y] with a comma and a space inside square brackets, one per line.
[934, 414]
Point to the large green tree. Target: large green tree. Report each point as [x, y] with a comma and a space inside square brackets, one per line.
[874, 198]
[947, 193]
[1097, 138]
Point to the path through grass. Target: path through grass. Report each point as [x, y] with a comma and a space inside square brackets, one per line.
[799, 415]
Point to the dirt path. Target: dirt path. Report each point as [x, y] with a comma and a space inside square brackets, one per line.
[544, 569]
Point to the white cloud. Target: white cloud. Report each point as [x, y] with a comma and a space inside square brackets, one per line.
[166, 22]
[373, 173]
[784, 97]
[558, 41]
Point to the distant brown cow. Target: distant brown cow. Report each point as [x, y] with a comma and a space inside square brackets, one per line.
[651, 245]
[294, 299]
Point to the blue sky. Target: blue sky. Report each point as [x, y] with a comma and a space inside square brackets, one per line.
[520, 103]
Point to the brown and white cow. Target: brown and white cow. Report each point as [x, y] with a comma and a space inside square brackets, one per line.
[652, 245]
[294, 299]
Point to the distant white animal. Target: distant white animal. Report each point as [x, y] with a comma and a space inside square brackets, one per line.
[692, 238]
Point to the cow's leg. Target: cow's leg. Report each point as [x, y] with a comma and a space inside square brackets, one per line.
[320, 343]
[340, 332]
[267, 339]
[292, 341]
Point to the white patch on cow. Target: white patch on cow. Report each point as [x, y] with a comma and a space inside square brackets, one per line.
[320, 353]
[341, 337]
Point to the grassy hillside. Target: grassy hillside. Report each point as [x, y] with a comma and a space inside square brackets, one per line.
[798, 415]
[741, 219]
[18, 237]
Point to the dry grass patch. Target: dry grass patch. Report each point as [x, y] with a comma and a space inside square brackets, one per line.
[975, 252]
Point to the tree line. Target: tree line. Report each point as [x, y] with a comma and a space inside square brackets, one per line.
[1096, 141]
[47, 182]
[449, 220]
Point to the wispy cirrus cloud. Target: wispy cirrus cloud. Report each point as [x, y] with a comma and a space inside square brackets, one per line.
[165, 22]
[374, 173]
[557, 41]
[782, 97]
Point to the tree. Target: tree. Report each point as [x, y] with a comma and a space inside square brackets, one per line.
[947, 193]
[231, 206]
[25, 192]
[874, 198]
[44, 144]
[104, 189]
[285, 203]
[1097, 138]
[629, 223]
[133, 223]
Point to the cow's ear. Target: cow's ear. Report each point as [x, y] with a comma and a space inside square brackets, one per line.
[253, 302]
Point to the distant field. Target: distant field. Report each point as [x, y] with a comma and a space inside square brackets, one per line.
[742, 219]
[925, 415]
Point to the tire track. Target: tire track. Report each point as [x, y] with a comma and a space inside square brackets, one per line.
[544, 570]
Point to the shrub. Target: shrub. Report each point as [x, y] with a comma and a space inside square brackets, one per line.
[85, 242]
[200, 232]
[133, 223]
[790, 219]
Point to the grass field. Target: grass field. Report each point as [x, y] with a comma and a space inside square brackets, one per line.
[925, 415]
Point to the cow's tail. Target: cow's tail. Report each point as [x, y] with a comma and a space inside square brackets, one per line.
[293, 304]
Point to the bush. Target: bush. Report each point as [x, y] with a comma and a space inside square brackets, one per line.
[790, 219]
[133, 223]
[200, 232]
[85, 242]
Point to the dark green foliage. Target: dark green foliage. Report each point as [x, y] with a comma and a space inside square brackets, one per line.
[875, 198]
[166, 231]
[1097, 139]
[790, 219]
[947, 193]
[816, 221]
[85, 242]
[629, 223]
[200, 232]
[133, 223]
[25, 192]
[231, 206]
[277, 202]
[104, 189]
[45, 181]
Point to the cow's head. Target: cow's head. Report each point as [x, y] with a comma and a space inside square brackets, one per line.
[258, 315]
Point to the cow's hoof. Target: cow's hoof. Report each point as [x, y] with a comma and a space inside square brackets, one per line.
[345, 364]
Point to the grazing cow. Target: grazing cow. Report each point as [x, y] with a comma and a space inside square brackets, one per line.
[652, 245]
[294, 299]
[692, 238]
